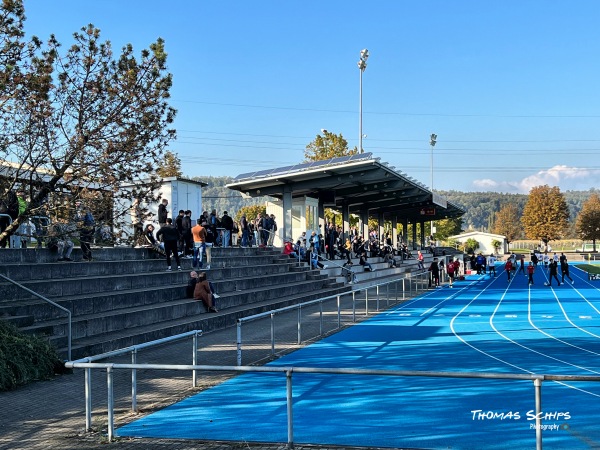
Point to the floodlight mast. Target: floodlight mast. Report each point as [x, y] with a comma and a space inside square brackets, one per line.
[432, 142]
[362, 65]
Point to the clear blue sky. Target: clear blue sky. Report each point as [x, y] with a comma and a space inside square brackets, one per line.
[510, 88]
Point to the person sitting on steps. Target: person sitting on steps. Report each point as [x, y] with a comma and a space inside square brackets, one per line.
[203, 292]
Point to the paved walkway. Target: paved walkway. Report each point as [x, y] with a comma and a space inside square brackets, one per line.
[51, 414]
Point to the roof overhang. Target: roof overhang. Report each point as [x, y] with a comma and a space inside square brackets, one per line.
[359, 182]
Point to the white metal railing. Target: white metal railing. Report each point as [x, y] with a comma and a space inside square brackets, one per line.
[289, 371]
[418, 279]
[41, 297]
[133, 349]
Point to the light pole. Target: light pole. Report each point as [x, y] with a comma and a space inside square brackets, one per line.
[432, 141]
[362, 65]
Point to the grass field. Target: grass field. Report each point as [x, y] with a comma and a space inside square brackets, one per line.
[590, 268]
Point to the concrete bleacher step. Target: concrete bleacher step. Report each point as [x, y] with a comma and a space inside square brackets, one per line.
[127, 293]
[198, 319]
[107, 318]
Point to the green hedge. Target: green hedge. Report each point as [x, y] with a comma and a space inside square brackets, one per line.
[24, 358]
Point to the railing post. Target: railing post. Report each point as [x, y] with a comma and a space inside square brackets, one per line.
[339, 311]
[321, 318]
[403, 289]
[195, 360]
[387, 294]
[134, 381]
[88, 399]
[111, 406]
[299, 325]
[353, 306]
[290, 408]
[537, 383]
[239, 343]
[272, 334]
[377, 294]
[366, 301]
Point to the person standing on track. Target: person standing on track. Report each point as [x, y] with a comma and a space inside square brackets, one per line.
[564, 268]
[553, 272]
[508, 267]
[530, 271]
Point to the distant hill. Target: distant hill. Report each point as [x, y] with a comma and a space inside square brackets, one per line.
[480, 206]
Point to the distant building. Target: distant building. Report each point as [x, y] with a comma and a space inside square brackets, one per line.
[180, 192]
[484, 240]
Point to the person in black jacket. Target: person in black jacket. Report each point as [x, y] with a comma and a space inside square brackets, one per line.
[170, 237]
[162, 212]
[227, 224]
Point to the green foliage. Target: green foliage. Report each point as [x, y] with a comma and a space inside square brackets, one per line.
[496, 244]
[546, 214]
[327, 146]
[470, 245]
[24, 358]
[251, 212]
[447, 227]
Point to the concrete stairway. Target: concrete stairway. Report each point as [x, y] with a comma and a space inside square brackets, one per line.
[125, 297]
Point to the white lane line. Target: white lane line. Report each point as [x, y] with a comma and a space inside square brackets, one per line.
[500, 360]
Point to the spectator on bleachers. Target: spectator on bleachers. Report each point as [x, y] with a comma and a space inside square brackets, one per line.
[170, 237]
[59, 239]
[203, 292]
[315, 263]
[288, 248]
[364, 262]
[227, 225]
[148, 240]
[420, 260]
[245, 227]
[188, 240]
[199, 237]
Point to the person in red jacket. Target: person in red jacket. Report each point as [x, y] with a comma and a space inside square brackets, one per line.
[508, 267]
[288, 249]
[530, 270]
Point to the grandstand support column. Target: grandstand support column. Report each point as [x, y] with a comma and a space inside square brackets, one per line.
[395, 231]
[380, 222]
[405, 230]
[414, 235]
[422, 235]
[364, 223]
[287, 231]
[345, 220]
[321, 213]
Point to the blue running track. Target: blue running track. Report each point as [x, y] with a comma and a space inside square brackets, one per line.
[483, 324]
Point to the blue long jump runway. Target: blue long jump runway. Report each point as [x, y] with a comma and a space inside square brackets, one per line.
[483, 324]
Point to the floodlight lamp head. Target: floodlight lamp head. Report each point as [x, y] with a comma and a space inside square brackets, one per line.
[364, 54]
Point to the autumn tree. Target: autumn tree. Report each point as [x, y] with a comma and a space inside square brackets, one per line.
[546, 214]
[251, 212]
[171, 166]
[327, 146]
[588, 221]
[447, 227]
[507, 223]
[79, 122]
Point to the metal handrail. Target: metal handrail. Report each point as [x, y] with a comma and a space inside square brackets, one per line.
[41, 297]
[289, 371]
[134, 350]
[402, 279]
